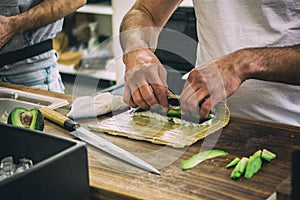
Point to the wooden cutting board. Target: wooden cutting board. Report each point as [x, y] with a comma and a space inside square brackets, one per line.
[160, 132]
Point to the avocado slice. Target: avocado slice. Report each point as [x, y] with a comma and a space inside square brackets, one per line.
[201, 156]
[22, 117]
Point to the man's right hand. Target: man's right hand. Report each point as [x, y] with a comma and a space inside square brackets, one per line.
[145, 80]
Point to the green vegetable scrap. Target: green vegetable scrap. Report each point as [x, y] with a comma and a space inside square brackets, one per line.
[239, 168]
[196, 118]
[267, 155]
[198, 158]
[250, 166]
[32, 119]
[174, 113]
[254, 164]
[234, 162]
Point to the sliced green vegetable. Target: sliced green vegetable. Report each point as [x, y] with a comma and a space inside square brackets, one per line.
[250, 165]
[267, 155]
[254, 164]
[239, 168]
[234, 162]
[257, 153]
[32, 119]
[199, 157]
[174, 113]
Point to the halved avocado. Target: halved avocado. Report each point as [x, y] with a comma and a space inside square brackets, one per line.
[32, 119]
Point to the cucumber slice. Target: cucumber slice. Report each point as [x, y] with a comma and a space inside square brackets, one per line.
[257, 153]
[254, 164]
[199, 157]
[174, 113]
[267, 155]
[234, 162]
[250, 166]
[239, 168]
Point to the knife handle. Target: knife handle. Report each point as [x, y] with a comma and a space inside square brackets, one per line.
[59, 119]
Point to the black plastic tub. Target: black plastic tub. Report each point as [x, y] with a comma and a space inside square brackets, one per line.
[295, 175]
[60, 169]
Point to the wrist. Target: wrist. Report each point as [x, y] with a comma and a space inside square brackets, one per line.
[247, 63]
[139, 57]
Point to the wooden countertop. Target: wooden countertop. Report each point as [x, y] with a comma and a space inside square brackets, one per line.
[112, 179]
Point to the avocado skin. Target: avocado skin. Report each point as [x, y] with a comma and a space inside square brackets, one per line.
[37, 122]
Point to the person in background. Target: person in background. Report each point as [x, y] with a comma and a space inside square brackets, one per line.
[248, 54]
[26, 32]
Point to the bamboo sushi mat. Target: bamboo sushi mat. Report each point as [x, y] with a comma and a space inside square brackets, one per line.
[158, 132]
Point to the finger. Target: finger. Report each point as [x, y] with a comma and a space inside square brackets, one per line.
[210, 102]
[206, 107]
[196, 99]
[126, 94]
[201, 100]
[147, 95]
[158, 82]
[139, 96]
[192, 104]
[160, 93]
[127, 97]
[186, 97]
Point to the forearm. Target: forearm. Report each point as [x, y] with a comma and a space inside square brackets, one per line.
[278, 64]
[141, 25]
[46, 12]
[133, 32]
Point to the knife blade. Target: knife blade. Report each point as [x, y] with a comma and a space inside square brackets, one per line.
[96, 141]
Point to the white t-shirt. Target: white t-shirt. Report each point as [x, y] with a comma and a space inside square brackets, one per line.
[225, 26]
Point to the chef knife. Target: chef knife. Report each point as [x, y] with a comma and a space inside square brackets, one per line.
[96, 141]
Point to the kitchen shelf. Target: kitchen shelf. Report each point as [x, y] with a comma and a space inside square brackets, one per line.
[97, 8]
[109, 14]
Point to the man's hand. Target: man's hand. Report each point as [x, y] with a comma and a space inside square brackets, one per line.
[207, 85]
[145, 80]
[145, 77]
[44, 13]
[6, 30]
